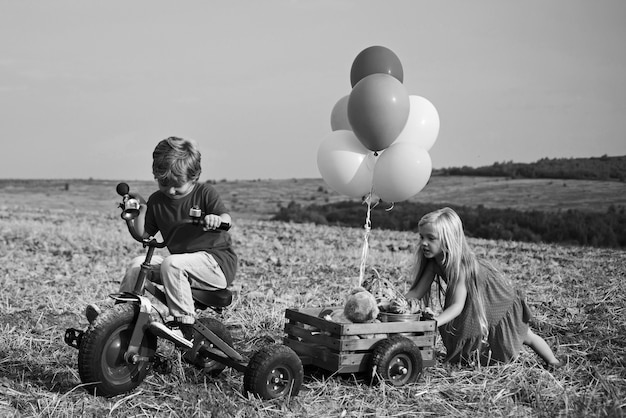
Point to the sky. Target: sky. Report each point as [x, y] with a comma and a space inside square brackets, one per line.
[87, 89]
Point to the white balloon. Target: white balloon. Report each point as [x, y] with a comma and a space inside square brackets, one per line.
[339, 115]
[422, 127]
[401, 172]
[345, 164]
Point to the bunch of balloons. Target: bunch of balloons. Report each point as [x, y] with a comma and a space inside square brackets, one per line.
[380, 135]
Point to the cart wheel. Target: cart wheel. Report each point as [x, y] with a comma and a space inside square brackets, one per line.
[273, 372]
[101, 363]
[396, 360]
[208, 365]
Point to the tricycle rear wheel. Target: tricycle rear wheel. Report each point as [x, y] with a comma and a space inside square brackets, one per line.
[101, 363]
[396, 360]
[274, 371]
[210, 366]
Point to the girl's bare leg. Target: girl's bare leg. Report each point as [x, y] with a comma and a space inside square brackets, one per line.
[541, 347]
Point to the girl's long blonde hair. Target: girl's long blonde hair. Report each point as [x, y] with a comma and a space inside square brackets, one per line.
[458, 260]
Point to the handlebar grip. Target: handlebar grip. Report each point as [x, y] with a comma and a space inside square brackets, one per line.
[224, 226]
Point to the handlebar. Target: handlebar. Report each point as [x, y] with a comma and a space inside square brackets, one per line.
[130, 210]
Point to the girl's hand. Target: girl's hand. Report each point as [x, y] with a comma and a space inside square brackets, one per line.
[212, 222]
[428, 313]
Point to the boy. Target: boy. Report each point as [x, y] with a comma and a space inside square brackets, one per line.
[202, 257]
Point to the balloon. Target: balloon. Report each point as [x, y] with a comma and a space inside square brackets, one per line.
[339, 115]
[401, 172]
[374, 60]
[378, 109]
[422, 126]
[346, 165]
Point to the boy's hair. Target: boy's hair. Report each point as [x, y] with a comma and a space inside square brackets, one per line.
[175, 161]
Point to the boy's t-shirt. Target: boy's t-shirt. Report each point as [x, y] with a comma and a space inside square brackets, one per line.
[171, 218]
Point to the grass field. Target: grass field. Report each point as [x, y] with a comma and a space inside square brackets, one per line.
[61, 249]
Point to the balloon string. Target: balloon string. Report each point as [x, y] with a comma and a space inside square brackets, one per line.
[366, 234]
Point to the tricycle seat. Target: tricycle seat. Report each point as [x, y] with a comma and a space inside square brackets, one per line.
[218, 298]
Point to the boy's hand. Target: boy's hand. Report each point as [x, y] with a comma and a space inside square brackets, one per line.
[212, 222]
[138, 197]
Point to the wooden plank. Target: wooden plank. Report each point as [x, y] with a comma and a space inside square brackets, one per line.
[315, 335]
[312, 312]
[428, 357]
[349, 343]
[327, 360]
[312, 337]
[368, 343]
[305, 316]
[389, 327]
[313, 351]
[427, 353]
[356, 328]
[352, 359]
[349, 369]
[318, 356]
[320, 323]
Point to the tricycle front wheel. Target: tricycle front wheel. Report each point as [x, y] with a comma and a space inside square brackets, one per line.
[101, 363]
[274, 371]
[396, 360]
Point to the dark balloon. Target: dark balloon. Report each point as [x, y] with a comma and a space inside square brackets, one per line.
[378, 109]
[375, 60]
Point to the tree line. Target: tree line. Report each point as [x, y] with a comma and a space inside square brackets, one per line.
[569, 227]
[594, 168]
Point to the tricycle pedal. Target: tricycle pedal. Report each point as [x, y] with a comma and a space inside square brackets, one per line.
[73, 337]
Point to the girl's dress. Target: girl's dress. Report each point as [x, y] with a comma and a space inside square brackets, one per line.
[507, 317]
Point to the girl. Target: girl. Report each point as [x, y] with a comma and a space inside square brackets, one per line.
[482, 312]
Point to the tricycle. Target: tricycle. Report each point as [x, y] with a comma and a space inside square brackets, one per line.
[119, 347]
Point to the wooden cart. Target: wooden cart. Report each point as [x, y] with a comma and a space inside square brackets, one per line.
[395, 352]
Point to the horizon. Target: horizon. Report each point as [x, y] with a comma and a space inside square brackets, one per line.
[434, 173]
